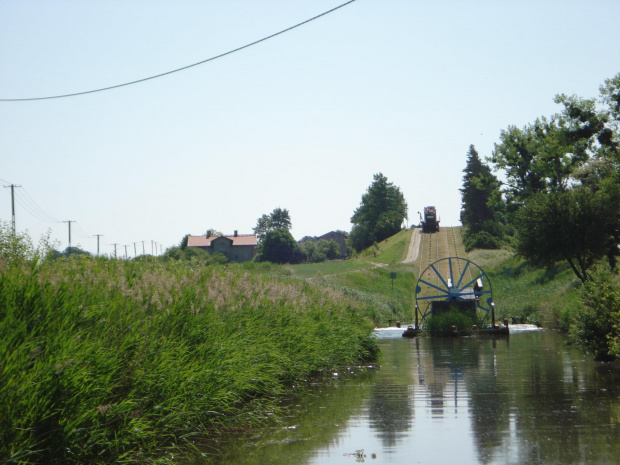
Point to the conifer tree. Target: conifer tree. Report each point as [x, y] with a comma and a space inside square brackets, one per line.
[480, 190]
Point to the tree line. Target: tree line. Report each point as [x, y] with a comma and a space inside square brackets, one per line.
[560, 200]
[380, 215]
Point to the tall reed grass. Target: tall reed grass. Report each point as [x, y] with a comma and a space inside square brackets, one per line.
[115, 361]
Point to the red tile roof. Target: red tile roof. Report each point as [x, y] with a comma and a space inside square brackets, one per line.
[204, 241]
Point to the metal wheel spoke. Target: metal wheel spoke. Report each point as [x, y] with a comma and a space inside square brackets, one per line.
[472, 281]
[445, 291]
[440, 277]
[484, 308]
[450, 268]
[458, 285]
[430, 297]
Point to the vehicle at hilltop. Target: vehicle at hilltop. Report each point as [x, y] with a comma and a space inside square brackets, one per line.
[430, 223]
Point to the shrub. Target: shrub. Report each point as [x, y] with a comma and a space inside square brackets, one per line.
[14, 248]
[597, 324]
[441, 324]
[481, 240]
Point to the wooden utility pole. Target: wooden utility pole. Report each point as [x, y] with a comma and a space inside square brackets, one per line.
[69, 223]
[13, 186]
[115, 244]
[98, 236]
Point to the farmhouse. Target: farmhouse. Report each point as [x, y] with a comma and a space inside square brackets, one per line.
[237, 248]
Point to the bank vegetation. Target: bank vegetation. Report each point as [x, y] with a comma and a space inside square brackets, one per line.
[110, 361]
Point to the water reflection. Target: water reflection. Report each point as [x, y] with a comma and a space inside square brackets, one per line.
[527, 399]
[390, 413]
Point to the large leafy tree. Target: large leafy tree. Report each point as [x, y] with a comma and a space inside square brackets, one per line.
[279, 218]
[573, 225]
[380, 214]
[562, 177]
[540, 157]
[278, 246]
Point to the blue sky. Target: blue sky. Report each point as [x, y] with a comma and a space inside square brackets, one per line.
[301, 121]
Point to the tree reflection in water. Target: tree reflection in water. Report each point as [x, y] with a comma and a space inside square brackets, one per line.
[526, 399]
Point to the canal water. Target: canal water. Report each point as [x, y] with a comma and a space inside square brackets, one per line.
[527, 398]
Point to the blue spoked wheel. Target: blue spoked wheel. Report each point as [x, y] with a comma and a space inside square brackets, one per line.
[453, 279]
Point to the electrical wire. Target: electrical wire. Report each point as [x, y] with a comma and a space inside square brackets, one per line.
[28, 209]
[75, 94]
[23, 192]
[26, 201]
[81, 232]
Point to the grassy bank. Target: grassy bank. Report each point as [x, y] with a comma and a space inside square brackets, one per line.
[367, 277]
[109, 361]
[553, 297]
[547, 297]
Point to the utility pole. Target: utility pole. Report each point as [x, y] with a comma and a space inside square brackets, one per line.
[152, 253]
[13, 186]
[125, 252]
[156, 247]
[98, 236]
[135, 252]
[69, 223]
[115, 244]
[143, 252]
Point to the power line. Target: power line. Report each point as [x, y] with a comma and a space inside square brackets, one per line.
[29, 198]
[75, 94]
[26, 201]
[32, 212]
[82, 233]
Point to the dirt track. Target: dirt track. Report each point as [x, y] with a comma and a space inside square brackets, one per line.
[414, 246]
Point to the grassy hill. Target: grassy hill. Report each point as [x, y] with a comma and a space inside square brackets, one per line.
[367, 277]
[547, 297]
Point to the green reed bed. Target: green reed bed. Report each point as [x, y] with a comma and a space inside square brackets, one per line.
[109, 361]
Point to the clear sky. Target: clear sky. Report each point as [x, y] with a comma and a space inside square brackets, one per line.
[301, 121]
